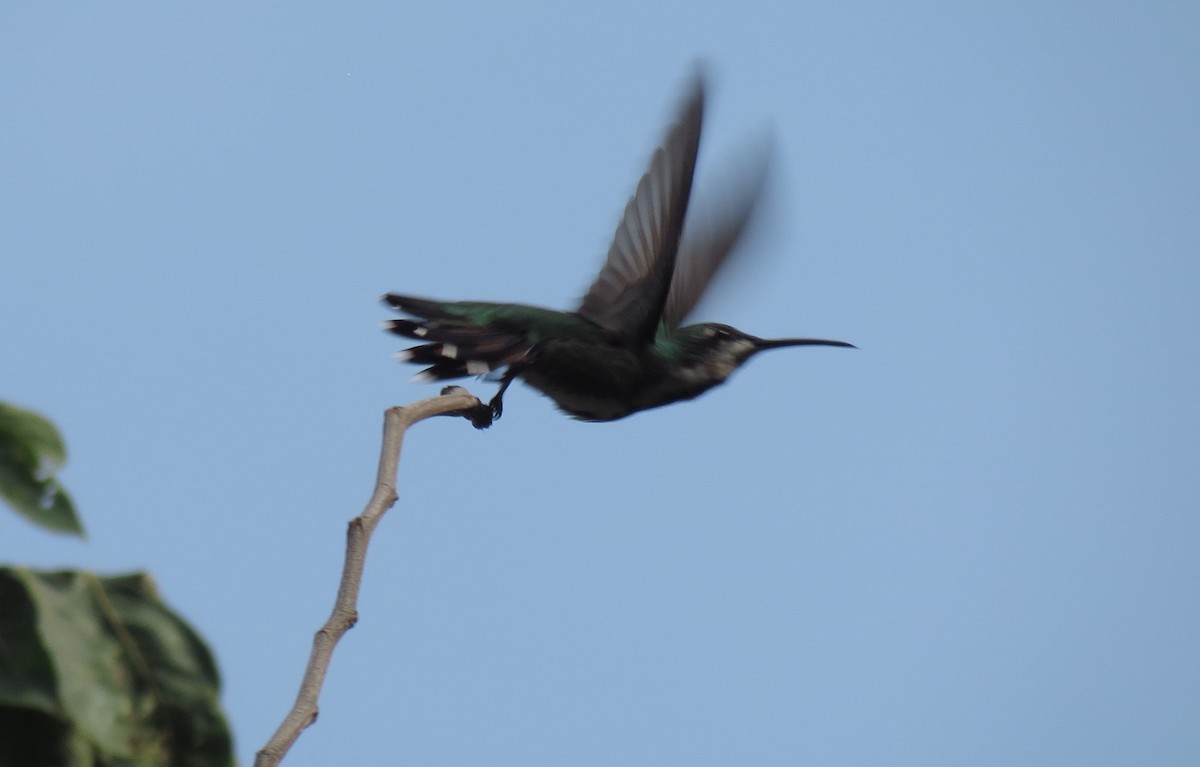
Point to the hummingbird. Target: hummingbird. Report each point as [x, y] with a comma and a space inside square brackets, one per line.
[624, 349]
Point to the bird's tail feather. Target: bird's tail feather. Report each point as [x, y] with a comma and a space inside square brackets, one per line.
[454, 348]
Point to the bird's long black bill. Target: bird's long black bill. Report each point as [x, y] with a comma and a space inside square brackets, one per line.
[779, 343]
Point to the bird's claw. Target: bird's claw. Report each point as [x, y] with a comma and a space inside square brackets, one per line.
[481, 416]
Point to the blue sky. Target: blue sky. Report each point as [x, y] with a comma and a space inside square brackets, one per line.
[972, 541]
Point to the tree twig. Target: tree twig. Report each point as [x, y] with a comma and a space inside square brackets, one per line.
[454, 401]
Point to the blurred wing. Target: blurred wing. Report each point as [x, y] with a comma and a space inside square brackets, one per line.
[628, 296]
[714, 227]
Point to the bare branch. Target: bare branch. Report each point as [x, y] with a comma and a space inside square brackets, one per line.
[454, 401]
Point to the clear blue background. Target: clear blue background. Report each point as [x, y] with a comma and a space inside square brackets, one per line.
[973, 541]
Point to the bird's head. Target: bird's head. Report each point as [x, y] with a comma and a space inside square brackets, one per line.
[713, 351]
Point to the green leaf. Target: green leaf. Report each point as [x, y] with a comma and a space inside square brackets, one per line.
[31, 451]
[103, 669]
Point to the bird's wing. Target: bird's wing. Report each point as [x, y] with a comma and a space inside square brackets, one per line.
[714, 227]
[628, 296]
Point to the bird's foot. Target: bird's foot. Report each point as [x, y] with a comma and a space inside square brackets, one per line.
[481, 416]
[497, 405]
